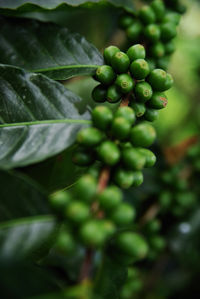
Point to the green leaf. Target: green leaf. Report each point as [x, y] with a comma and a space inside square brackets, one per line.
[46, 48]
[30, 5]
[21, 238]
[20, 197]
[38, 117]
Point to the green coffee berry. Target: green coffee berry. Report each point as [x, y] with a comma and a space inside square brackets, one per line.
[110, 198]
[120, 128]
[127, 113]
[159, 9]
[158, 101]
[139, 109]
[102, 117]
[157, 50]
[138, 178]
[113, 94]
[125, 83]
[139, 69]
[172, 17]
[170, 47]
[89, 137]
[151, 114]
[86, 187]
[77, 212]
[157, 242]
[125, 21]
[120, 62]
[59, 200]
[168, 31]
[105, 74]
[99, 94]
[157, 79]
[65, 243]
[108, 227]
[136, 52]
[169, 82]
[185, 199]
[133, 31]
[147, 15]
[150, 158]
[109, 52]
[123, 178]
[82, 157]
[152, 63]
[109, 153]
[133, 159]
[143, 91]
[152, 33]
[163, 62]
[153, 226]
[142, 135]
[123, 215]
[93, 234]
[165, 200]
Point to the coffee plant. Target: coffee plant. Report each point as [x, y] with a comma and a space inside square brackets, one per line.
[88, 195]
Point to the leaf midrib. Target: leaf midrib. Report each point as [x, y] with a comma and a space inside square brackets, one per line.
[46, 122]
[63, 67]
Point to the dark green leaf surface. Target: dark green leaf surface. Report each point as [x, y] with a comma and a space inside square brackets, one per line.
[47, 49]
[38, 117]
[20, 197]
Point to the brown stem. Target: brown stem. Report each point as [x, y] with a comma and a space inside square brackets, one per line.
[86, 266]
[150, 214]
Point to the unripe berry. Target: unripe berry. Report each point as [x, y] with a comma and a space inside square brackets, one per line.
[59, 200]
[157, 50]
[86, 187]
[168, 31]
[133, 31]
[147, 15]
[105, 75]
[165, 200]
[65, 243]
[109, 153]
[113, 94]
[152, 63]
[169, 82]
[125, 83]
[139, 109]
[172, 17]
[151, 114]
[136, 52]
[138, 178]
[92, 234]
[82, 157]
[170, 47]
[142, 135]
[120, 62]
[157, 79]
[102, 117]
[110, 198]
[108, 227]
[89, 137]
[77, 212]
[143, 91]
[163, 62]
[109, 52]
[127, 113]
[125, 21]
[157, 242]
[150, 158]
[158, 101]
[99, 94]
[152, 33]
[159, 9]
[133, 159]
[153, 226]
[123, 215]
[120, 128]
[139, 69]
[124, 178]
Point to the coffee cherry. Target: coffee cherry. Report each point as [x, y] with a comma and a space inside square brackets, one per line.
[152, 63]
[123, 215]
[99, 94]
[157, 79]
[147, 15]
[136, 52]
[124, 178]
[157, 242]
[158, 101]
[133, 159]
[109, 153]
[139, 69]
[163, 62]
[89, 137]
[108, 227]
[105, 74]
[150, 158]
[151, 114]
[172, 17]
[82, 157]
[125, 83]
[168, 31]
[109, 52]
[65, 243]
[138, 178]
[133, 31]
[113, 94]
[142, 135]
[153, 226]
[110, 198]
[102, 117]
[132, 244]
[170, 47]
[120, 128]
[165, 200]
[120, 62]
[59, 200]
[125, 21]
[169, 82]
[157, 50]
[185, 199]
[93, 234]
[77, 212]
[127, 113]
[152, 33]
[143, 91]
[139, 109]
[159, 9]
[86, 187]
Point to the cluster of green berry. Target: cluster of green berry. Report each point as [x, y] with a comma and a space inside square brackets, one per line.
[154, 25]
[133, 284]
[129, 73]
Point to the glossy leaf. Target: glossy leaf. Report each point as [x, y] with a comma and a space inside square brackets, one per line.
[38, 116]
[50, 49]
